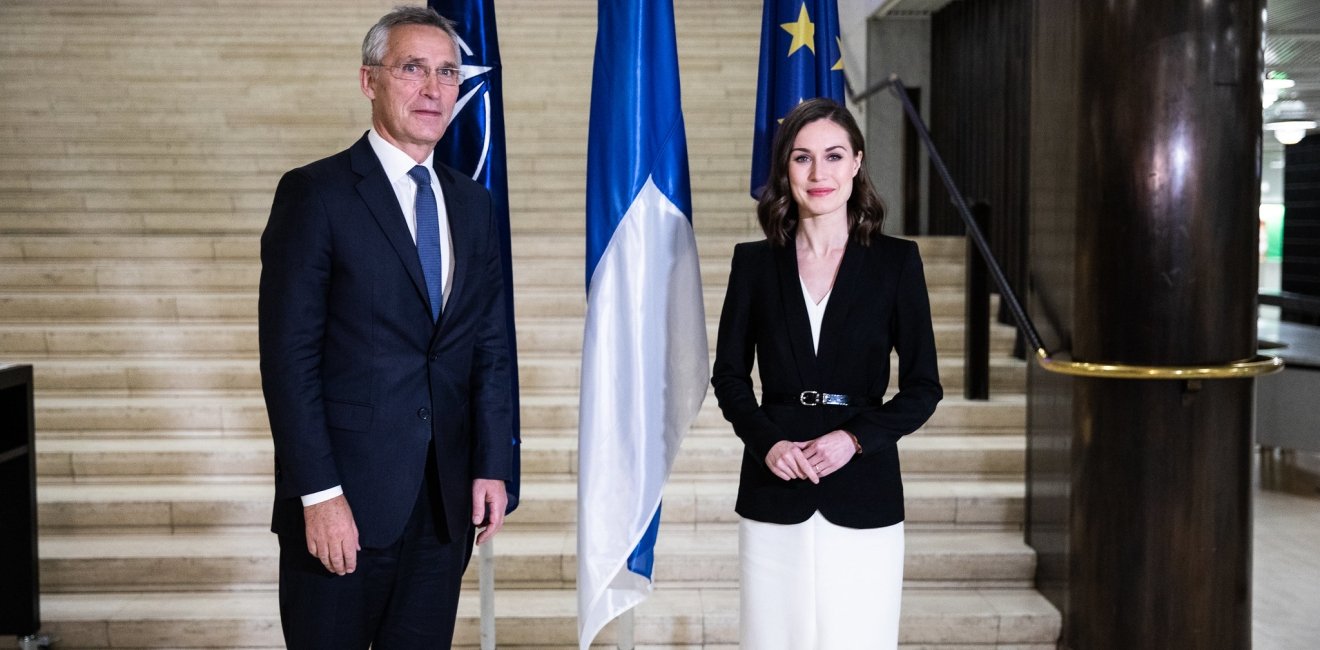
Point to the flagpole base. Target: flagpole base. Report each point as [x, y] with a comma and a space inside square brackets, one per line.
[486, 578]
[627, 629]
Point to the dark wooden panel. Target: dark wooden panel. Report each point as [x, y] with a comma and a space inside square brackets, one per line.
[980, 119]
[1301, 223]
[1052, 213]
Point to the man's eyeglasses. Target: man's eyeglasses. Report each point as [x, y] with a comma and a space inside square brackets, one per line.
[416, 72]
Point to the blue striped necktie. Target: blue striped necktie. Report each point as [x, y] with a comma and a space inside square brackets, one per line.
[428, 236]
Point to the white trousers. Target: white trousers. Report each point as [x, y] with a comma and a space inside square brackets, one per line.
[818, 586]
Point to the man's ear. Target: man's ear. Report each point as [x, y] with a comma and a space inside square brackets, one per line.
[364, 78]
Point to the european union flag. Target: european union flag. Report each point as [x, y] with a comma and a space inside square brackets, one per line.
[474, 145]
[801, 58]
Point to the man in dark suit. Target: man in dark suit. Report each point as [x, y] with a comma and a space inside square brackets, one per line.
[384, 363]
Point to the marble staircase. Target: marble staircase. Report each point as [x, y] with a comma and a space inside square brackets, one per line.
[140, 144]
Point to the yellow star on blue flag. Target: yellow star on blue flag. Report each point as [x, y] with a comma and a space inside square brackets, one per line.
[803, 31]
[788, 75]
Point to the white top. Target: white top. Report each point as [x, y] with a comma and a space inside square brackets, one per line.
[815, 312]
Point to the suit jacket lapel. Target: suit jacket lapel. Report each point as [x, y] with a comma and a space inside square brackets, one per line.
[378, 194]
[795, 314]
[834, 325]
[461, 233]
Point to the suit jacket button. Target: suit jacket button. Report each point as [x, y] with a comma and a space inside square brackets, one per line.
[424, 413]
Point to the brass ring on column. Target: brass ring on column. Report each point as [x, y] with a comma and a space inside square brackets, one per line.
[1254, 367]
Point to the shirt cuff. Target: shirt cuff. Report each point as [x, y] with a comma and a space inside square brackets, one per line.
[323, 495]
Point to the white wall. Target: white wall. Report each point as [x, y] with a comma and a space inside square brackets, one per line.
[853, 17]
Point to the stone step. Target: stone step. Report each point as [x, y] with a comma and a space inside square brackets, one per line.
[209, 245]
[59, 174]
[122, 349]
[339, 127]
[168, 306]
[234, 275]
[217, 502]
[534, 219]
[236, 367]
[539, 619]
[36, 195]
[521, 102]
[239, 411]
[713, 452]
[236, 339]
[331, 128]
[562, 169]
[524, 558]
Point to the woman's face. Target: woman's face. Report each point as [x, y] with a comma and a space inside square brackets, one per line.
[821, 168]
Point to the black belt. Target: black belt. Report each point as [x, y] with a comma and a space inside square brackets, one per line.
[817, 398]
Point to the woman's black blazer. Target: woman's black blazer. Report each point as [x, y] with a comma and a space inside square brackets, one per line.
[878, 304]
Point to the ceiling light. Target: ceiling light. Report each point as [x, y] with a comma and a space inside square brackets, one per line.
[1289, 120]
[1290, 132]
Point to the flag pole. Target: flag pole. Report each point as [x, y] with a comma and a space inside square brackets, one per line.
[486, 583]
[627, 629]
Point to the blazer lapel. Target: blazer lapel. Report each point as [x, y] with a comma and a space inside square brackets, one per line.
[378, 194]
[835, 325]
[795, 314]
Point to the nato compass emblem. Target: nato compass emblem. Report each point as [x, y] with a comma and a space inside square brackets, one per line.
[476, 73]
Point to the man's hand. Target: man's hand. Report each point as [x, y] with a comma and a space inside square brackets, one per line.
[332, 535]
[488, 503]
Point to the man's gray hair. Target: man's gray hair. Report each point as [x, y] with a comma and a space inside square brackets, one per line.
[377, 40]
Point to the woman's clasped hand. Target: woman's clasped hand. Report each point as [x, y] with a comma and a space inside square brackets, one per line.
[811, 460]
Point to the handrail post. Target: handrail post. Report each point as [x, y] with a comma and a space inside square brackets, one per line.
[976, 329]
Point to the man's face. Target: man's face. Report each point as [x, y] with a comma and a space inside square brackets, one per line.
[412, 115]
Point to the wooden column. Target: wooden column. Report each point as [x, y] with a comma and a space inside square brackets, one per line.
[1168, 151]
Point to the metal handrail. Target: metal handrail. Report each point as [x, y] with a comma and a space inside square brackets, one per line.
[1253, 367]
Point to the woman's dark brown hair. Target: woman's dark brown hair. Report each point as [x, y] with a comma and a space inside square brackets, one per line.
[778, 212]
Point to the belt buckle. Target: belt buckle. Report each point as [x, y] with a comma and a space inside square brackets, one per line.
[809, 398]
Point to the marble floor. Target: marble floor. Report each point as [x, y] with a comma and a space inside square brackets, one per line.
[1286, 580]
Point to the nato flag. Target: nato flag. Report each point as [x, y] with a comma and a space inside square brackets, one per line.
[474, 145]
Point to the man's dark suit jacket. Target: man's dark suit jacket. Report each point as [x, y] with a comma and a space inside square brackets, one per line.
[357, 378]
[878, 304]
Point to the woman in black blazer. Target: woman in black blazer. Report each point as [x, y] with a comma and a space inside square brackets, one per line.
[819, 305]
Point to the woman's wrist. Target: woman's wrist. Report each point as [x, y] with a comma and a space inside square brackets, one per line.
[857, 446]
